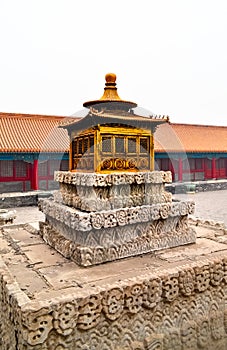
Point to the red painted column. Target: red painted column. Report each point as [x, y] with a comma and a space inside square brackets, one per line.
[213, 168]
[35, 175]
[180, 170]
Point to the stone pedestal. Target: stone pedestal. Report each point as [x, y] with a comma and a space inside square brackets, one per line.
[172, 300]
[97, 218]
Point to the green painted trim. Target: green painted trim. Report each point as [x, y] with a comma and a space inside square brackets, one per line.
[190, 155]
[29, 157]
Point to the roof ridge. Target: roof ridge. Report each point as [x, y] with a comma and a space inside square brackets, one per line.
[31, 116]
[197, 125]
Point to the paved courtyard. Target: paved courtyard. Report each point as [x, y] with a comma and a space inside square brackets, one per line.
[209, 205]
[28, 215]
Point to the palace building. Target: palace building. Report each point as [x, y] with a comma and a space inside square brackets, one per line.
[32, 147]
[192, 152]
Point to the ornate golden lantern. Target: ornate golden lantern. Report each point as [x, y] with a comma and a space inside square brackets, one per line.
[112, 137]
[112, 204]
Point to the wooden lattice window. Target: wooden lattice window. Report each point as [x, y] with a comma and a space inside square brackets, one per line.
[21, 168]
[106, 144]
[192, 163]
[91, 139]
[54, 165]
[74, 146]
[144, 145]
[43, 169]
[220, 163]
[165, 164]
[132, 145]
[6, 168]
[119, 145]
[80, 146]
[199, 164]
[208, 163]
[86, 145]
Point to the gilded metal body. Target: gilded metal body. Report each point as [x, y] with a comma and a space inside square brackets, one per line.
[106, 149]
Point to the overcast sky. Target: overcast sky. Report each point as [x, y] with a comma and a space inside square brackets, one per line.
[169, 56]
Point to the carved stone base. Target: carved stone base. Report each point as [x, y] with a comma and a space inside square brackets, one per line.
[94, 238]
[96, 218]
[94, 192]
[85, 255]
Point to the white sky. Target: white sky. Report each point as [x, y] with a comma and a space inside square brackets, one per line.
[170, 56]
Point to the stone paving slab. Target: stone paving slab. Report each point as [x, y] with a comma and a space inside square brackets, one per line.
[28, 279]
[23, 237]
[42, 255]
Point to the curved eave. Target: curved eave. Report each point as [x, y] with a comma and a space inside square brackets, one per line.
[131, 120]
[115, 102]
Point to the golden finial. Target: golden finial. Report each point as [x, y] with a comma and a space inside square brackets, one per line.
[110, 94]
[110, 77]
[110, 90]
